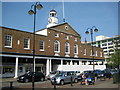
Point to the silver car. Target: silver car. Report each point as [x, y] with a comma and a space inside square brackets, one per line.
[52, 74]
[64, 77]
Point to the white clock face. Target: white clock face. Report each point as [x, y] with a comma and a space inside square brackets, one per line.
[49, 20]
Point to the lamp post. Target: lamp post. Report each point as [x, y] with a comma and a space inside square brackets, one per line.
[35, 6]
[93, 29]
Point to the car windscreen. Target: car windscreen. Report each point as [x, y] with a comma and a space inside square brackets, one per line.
[54, 72]
[59, 74]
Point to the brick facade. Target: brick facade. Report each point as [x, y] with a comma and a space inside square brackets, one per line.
[18, 36]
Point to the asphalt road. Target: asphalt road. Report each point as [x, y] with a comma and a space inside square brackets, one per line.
[46, 84]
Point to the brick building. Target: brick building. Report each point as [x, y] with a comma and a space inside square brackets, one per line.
[57, 47]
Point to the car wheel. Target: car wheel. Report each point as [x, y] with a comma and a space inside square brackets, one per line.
[26, 80]
[42, 79]
[76, 80]
[62, 82]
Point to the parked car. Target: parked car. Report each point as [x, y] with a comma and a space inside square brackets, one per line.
[101, 75]
[113, 71]
[77, 73]
[52, 74]
[107, 73]
[38, 76]
[97, 72]
[89, 73]
[79, 77]
[64, 77]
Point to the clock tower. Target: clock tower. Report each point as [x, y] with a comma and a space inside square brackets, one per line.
[52, 20]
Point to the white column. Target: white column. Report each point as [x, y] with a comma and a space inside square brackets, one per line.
[16, 68]
[34, 64]
[87, 63]
[71, 63]
[47, 67]
[98, 63]
[50, 66]
[80, 62]
[61, 64]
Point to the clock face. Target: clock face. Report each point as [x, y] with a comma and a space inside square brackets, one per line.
[49, 20]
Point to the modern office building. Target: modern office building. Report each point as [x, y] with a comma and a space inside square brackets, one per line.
[57, 47]
[108, 44]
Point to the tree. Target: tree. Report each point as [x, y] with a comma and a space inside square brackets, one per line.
[114, 59]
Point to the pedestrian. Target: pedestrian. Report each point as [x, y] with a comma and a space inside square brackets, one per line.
[84, 79]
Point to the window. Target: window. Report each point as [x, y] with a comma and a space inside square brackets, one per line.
[8, 40]
[75, 39]
[90, 52]
[84, 51]
[110, 43]
[56, 46]
[56, 34]
[26, 43]
[41, 45]
[67, 37]
[96, 53]
[75, 49]
[100, 54]
[66, 27]
[67, 48]
[104, 44]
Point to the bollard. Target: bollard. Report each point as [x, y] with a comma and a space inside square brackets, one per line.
[54, 83]
[11, 85]
[71, 81]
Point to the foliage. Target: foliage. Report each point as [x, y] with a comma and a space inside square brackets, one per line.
[114, 58]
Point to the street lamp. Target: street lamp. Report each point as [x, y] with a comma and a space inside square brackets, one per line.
[38, 6]
[93, 29]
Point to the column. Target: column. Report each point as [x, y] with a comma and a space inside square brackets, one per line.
[47, 67]
[80, 62]
[87, 63]
[61, 64]
[50, 66]
[16, 68]
[71, 63]
[98, 63]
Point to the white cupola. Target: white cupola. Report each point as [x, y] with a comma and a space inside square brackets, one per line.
[52, 20]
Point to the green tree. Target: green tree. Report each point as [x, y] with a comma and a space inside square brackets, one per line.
[114, 59]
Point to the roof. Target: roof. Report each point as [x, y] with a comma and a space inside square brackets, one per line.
[58, 25]
[53, 10]
[107, 38]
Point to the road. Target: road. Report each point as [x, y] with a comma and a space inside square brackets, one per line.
[46, 84]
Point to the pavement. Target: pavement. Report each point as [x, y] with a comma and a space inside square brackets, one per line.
[46, 84]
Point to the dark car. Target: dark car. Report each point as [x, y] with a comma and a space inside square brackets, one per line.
[87, 74]
[114, 71]
[101, 75]
[107, 73]
[97, 72]
[38, 76]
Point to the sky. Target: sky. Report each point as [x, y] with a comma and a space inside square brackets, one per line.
[80, 15]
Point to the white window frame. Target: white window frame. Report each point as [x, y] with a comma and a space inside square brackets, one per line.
[67, 37]
[43, 45]
[101, 54]
[67, 46]
[8, 39]
[91, 52]
[28, 46]
[96, 53]
[56, 42]
[56, 34]
[75, 39]
[76, 47]
[84, 53]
